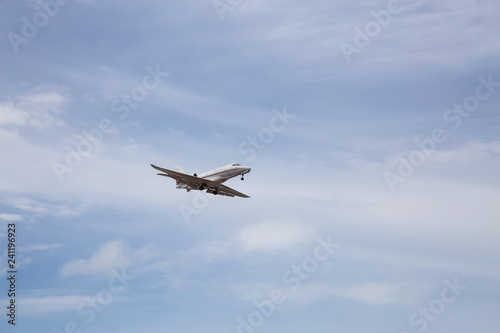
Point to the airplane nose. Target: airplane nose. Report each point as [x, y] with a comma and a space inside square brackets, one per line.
[245, 169]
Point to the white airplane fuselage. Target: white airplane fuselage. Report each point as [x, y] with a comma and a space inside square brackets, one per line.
[220, 175]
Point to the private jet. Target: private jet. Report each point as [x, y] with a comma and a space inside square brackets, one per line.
[211, 180]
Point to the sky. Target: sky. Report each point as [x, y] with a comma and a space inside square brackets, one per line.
[371, 128]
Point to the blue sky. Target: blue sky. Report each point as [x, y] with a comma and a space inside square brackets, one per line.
[374, 186]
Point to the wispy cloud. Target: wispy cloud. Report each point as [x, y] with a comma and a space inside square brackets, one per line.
[48, 305]
[10, 217]
[39, 247]
[469, 152]
[110, 256]
[371, 293]
[273, 235]
[37, 208]
[39, 109]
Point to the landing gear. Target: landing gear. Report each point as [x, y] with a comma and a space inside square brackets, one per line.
[194, 174]
[202, 187]
[242, 177]
[216, 191]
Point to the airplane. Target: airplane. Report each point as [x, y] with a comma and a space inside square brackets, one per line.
[211, 180]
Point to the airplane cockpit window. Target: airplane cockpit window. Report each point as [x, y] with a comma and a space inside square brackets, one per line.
[235, 164]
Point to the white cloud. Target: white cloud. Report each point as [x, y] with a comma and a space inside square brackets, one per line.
[371, 293]
[471, 151]
[408, 38]
[39, 247]
[273, 235]
[34, 306]
[432, 261]
[212, 250]
[149, 252]
[41, 209]
[10, 115]
[206, 108]
[10, 217]
[39, 109]
[112, 255]
[8, 135]
[173, 132]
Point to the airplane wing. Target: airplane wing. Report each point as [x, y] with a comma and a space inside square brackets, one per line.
[192, 181]
[227, 191]
[195, 182]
